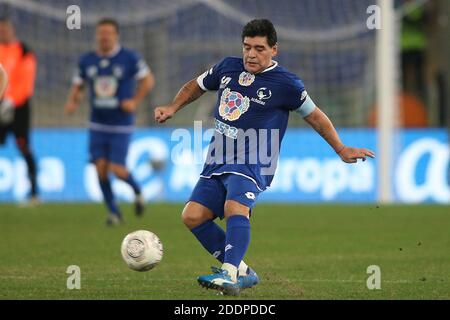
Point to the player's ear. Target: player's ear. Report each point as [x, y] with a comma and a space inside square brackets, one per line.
[275, 50]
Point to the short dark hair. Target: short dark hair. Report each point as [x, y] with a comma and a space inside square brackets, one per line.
[260, 28]
[109, 21]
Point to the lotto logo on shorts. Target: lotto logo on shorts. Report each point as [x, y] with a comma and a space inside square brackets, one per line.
[250, 195]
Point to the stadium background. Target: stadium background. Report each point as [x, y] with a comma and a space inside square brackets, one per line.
[326, 42]
[308, 248]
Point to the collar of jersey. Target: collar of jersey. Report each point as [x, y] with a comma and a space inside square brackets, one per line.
[271, 67]
[113, 53]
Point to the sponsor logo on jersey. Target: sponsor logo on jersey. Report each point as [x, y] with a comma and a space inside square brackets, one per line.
[104, 63]
[233, 105]
[91, 71]
[224, 82]
[117, 71]
[225, 129]
[304, 95]
[263, 93]
[246, 79]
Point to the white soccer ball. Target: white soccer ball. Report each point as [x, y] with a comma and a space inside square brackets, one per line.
[142, 250]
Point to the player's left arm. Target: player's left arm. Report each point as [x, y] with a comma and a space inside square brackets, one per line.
[146, 82]
[144, 86]
[323, 125]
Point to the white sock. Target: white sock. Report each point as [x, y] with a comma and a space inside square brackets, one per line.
[242, 270]
[232, 271]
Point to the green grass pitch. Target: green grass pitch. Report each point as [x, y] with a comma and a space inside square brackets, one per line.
[299, 251]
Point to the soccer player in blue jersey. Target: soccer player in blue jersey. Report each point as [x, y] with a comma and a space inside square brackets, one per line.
[255, 97]
[118, 79]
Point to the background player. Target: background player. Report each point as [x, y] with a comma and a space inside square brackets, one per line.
[254, 92]
[111, 73]
[15, 108]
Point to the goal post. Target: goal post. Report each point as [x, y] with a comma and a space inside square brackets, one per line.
[386, 79]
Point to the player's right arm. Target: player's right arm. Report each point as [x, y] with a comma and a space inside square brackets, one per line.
[74, 98]
[190, 92]
[76, 91]
[3, 81]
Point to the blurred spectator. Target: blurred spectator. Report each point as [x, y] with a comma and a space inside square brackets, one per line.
[20, 64]
[413, 46]
[412, 112]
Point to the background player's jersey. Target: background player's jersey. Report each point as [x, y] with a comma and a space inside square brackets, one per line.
[111, 79]
[247, 104]
[20, 64]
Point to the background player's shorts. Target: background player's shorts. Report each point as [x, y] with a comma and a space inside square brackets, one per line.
[213, 192]
[20, 126]
[110, 146]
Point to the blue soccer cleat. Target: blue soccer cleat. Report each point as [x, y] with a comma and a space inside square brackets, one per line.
[249, 280]
[221, 281]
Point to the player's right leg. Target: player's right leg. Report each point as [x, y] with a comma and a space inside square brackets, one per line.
[98, 150]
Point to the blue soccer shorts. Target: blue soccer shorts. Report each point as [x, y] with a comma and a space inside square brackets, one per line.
[110, 146]
[213, 192]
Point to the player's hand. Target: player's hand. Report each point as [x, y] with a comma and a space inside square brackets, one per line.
[129, 105]
[351, 155]
[70, 108]
[163, 113]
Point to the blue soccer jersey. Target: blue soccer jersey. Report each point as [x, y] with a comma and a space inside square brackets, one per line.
[251, 116]
[111, 79]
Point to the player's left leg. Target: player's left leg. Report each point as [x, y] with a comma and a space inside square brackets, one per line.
[119, 144]
[21, 129]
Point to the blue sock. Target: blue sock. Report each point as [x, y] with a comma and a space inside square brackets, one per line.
[212, 237]
[237, 239]
[108, 196]
[130, 180]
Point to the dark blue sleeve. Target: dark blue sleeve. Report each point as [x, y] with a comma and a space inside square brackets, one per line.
[297, 98]
[139, 67]
[210, 79]
[79, 75]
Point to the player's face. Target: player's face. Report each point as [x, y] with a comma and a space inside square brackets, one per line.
[106, 37]
[257, 54]
[6, 32]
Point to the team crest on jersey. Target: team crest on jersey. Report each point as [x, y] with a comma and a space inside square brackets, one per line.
[105, 86]
[246, 79]
[233, 105]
